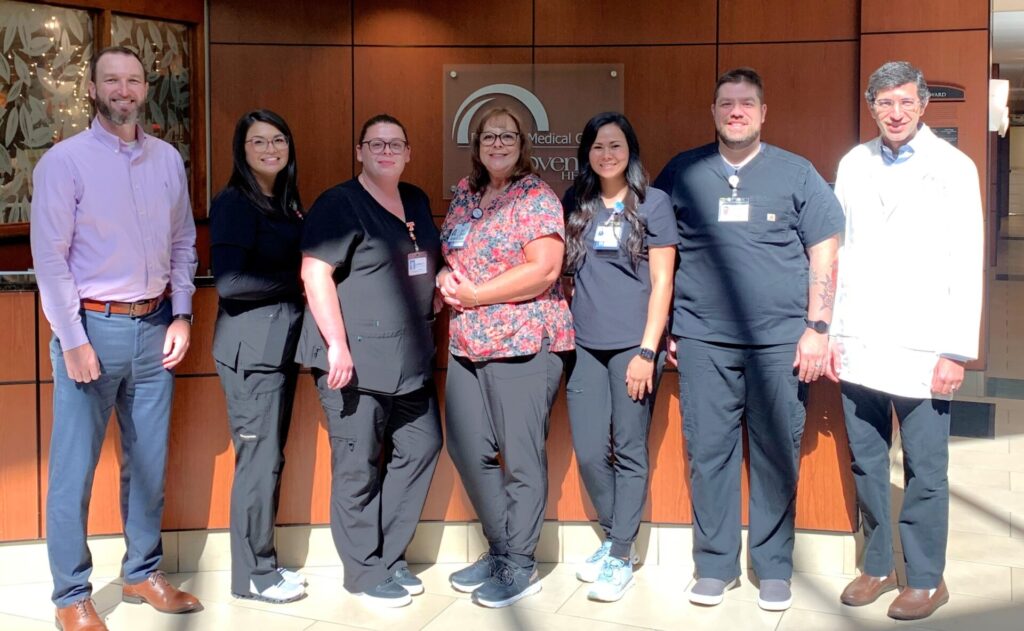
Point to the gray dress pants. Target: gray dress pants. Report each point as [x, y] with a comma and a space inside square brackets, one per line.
[924, 516]
[383, 452]
[496, 417]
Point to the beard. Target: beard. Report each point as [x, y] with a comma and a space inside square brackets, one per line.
[739, 143]
[117, 117]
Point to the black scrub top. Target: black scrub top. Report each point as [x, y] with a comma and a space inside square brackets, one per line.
[745, 282]
[256, 261]
[610, 299]
[388, 313]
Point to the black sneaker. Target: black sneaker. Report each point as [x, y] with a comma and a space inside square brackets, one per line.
[409, 581]
[387, 594]
[509, 584]
[469, 578]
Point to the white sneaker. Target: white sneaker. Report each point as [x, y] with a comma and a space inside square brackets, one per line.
[282, 592]
[616, 577]
[292, 576]
[589, 570]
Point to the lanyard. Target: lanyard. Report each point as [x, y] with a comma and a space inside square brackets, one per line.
[411, 225]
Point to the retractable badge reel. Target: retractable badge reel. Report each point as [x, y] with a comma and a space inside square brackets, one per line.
[734, 208]
[417, 258]
[606, 238]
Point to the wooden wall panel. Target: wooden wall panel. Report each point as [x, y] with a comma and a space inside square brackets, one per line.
[407, 83]
[788, 20]
[665, 126]
[878, 16]
[18, 336]
[199, 359]
[105, 504]
[826, 498]
[180, 11]
[306, 22]
[447, 499]
[309, 86]
[15, 254]
[668, 500]
[19, 471]
[45, 333]
[200, 460]
[600, 23]
[453, 22]
[306, 480]
[811, 116]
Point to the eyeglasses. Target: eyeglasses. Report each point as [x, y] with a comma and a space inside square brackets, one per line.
[887, 105]
[377, 145]
[507, 138]
[261, 144]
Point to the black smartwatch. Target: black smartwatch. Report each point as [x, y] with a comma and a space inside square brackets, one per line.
[818, 326]
[646, 354]
[184, 316]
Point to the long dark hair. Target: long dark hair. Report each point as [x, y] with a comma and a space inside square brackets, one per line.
[286, 201]
[587, 192]
[479, 177]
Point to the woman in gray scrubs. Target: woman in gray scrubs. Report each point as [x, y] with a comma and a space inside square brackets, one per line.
[620, 249]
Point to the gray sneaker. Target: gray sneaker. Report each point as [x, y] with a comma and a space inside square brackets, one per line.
[409, 581]
[469, 578]
[774, 595]
[387, 594]
[709, 591]
[508, 585]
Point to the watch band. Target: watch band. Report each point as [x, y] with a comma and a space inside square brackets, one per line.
[646, 354]
[818, 326]
[184, 316]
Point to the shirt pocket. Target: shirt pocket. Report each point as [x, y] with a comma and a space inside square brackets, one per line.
[772, 220]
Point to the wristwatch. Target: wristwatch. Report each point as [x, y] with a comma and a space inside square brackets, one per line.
[646, 354]
[818, 326]
[183, 316]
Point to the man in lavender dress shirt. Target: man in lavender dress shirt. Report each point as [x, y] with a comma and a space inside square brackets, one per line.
[113, 242]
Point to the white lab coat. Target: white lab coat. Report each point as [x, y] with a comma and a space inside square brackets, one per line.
[910, 267]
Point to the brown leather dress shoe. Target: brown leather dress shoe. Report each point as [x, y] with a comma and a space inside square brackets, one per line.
[163, 596]
[914, 604]
[79, 616]
[865, 589]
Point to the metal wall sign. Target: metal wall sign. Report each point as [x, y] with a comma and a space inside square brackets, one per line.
[554, 101]
[940, 92]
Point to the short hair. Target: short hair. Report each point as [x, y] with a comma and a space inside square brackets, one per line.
[116, 50]
[379, 119]
[741, 75]
[479, 177]
[893, 74]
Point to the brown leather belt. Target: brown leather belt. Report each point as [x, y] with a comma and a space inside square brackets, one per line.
[134, 309]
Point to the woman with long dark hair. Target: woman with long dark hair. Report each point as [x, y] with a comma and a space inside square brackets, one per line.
[620, 249]
[255, 229]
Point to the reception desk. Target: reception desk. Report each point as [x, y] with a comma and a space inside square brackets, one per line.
[201, 458]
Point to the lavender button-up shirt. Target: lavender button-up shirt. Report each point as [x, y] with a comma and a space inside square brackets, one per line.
[111, 221]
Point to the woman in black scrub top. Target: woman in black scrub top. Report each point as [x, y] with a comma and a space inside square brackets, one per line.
[255, 227]
[370, 254]
[620, 249]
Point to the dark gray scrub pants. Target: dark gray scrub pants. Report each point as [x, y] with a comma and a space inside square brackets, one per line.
[924, 517]
[718, 385]
[383, 452]
[500, 408]
[259, 414]
[609, 435]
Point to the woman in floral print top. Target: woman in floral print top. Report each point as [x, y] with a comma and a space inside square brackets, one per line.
[503, 241]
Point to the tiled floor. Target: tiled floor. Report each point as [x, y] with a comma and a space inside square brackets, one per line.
[984, 572]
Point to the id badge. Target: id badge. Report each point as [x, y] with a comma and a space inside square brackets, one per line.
[417, 263]
[733, 209]
[457, 238]
[606, 238]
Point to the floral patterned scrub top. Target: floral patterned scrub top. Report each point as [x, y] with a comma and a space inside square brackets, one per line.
[528, 210]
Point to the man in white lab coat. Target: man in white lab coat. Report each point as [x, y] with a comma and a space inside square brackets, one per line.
[907, 311]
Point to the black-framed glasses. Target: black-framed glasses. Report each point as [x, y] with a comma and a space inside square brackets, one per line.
[507, 138]
[377, 145]
[261, 144]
